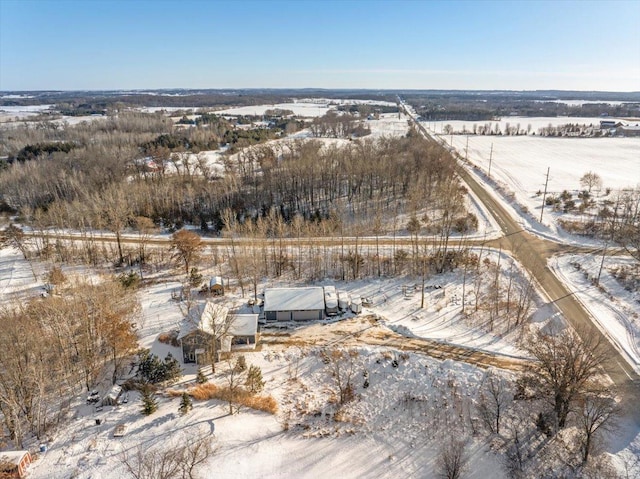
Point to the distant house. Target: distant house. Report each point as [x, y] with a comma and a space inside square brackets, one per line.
[13, 464]
[210, 319]
[294, 304]
[216, 286]
[628, 130]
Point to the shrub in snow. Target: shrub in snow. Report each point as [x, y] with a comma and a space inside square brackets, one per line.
[149, 403]
[185, 404]
[241, 364]
[254, 379]
[200, 377]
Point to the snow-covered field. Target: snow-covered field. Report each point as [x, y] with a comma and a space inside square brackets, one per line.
[11, 113]
[303, 109]
[524, 121]
[389, 124]
[308, 108]
[519, 165]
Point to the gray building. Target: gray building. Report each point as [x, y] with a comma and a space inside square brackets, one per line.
[294, 304]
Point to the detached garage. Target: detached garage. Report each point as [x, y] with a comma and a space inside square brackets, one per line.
[293, 304]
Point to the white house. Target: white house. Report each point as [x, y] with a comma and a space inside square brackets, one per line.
[210, 319]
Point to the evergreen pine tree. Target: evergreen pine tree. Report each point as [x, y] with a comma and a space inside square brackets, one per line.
[149, 403]
[172, 370]
[201, 378]
[185, 404]
[241, 364]
[254, 379]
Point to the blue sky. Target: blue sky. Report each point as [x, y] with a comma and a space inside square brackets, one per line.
[518, 45]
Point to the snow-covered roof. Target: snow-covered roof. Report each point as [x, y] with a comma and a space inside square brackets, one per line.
[244, 325]
[215, 280]
[114, 392]
[201, 317]
[293, 299]
[12, 457]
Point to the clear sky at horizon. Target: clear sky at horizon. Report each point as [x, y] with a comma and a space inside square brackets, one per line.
[518, 45]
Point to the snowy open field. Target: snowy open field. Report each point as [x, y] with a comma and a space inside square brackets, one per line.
[524, 121]
[308, 108]
[305, 109]
[11, 113]
[519, 164]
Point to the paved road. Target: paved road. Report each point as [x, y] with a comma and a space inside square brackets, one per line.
[533, 252]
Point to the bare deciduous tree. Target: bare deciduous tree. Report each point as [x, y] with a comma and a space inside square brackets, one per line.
[591, 180]
[597, 412]
[452, 459]
[342, 367]
[187, 246]
[565, 369]
[495, 398]
[180, 460]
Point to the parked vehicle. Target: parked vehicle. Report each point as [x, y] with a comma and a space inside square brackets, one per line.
[344, 300]
[93, 397]
[356, 305]
[330, 300]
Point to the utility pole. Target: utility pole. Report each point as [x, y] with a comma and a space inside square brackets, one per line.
[466, 151]
[490, 158]
[604, 253]
[545, 193]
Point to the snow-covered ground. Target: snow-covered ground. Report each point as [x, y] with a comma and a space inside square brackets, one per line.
[11, 113]
[309, 108]
[519, 167]
[380, 436]
[614, 309]
[535, 123]
[304, 109]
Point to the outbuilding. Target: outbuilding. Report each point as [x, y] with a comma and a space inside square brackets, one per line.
[13, 464]
[216, 286]
[113, 396]
[294, 304]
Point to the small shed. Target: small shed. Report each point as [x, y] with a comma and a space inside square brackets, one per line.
[113, 396]
[13, 464]
[216, 286]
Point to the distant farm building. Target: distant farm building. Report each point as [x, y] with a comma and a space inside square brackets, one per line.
[628, 130]
[13, 464]
[607, 124]
[294, 304]
[233, 331]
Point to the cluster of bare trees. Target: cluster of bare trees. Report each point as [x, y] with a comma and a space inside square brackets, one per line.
[51, 346]
[338, 125]
[105, 182]
[562, 392]
[181, 460]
